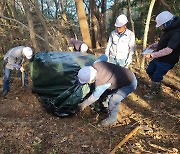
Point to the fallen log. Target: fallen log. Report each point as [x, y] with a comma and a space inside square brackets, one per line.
[171, 83]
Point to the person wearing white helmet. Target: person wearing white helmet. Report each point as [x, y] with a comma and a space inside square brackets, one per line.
[116, 80]
[13, 60]
[166, 51]
[121, 43]
[79, 45]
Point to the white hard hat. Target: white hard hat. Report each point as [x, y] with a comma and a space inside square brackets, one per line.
[86, 74]
[84, 47]
[121, 21]
[27, 51]
[163, 17]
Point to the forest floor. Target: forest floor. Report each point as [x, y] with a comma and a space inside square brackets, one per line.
[26, 127]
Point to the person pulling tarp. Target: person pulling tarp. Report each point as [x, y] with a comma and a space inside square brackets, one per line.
[78, 45]
[54, 77]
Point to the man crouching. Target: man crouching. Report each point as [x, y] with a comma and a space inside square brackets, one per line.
[107, 76]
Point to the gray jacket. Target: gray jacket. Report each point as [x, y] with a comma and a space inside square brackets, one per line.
[13, 58]
[121, 46]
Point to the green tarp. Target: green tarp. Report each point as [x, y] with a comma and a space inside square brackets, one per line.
[54, 77]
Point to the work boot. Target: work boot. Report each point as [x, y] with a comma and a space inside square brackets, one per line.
[155, 90]
[156, 87]
[110, 121]
[5, 92]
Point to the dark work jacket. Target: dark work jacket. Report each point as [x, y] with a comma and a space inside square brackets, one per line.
[110, 73]
[171, 39]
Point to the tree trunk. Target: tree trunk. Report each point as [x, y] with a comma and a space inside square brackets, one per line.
[102, 23]
[132, 27]
[94, 28]
[42, 6]
[24, 27]
[130, 16]
[30, 24]
[48, 8]
[100, 16]
[14, 13]
[43, 24]
[146, 30]
[64, 16]
[57, 8]
[65, 22]
[152, 27]
[166, 5]
[83, 23]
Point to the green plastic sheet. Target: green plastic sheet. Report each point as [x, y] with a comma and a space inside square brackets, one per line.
[54, 77]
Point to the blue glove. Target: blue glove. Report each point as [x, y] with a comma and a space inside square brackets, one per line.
[103, 57]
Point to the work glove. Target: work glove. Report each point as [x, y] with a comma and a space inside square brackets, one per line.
[103, 57]
[87, 102]
[16, 66]
[5, 61]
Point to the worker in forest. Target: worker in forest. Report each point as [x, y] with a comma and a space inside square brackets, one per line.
[166, 51]
[117, 80]
[14, 60]
[79, 45]
[121, 44]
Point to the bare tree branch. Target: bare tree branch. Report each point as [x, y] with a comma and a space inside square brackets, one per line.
[26, 28]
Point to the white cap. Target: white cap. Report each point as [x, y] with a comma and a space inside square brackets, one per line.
[83, 47]
[27, 51]
[163, 17]
[121, 21]
[86, 74]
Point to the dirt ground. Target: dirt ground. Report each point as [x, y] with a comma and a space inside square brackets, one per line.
[26, 128]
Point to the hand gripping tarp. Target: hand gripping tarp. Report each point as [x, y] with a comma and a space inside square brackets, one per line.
[54, 77]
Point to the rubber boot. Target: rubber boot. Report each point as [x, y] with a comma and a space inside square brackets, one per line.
[5, 92]
[155, 91]
[110, 121]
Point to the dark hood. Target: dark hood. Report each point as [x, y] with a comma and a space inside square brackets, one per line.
[174, 25]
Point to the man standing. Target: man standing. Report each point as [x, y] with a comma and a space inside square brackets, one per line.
[117, 80]
[167, 50]
[121, 43]
[14, 59]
